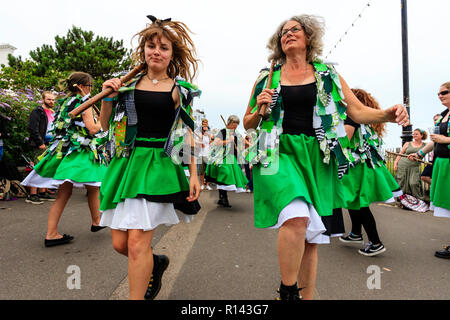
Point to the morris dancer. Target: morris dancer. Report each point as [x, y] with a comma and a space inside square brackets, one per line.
[143, 185]
[295, 178]
[74, 158]
[368, 179]
[224, 169]
[439, 195]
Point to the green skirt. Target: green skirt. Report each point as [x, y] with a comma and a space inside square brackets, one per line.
[363, 185]
[440, 186]
[150, 174]
[299, 173]
[79, 168]
[227, 174]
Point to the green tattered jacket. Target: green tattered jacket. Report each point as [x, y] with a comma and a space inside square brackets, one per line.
[123, 122]
[328, 118]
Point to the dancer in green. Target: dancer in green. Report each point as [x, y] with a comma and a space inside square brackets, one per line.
[302, 147]
[440, 141]
[224, 170]
[149, 119]
[368, 179]
[75, 158]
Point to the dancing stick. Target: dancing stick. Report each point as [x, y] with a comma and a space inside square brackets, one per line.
[262, 109]
[87, 104]
[406, 156]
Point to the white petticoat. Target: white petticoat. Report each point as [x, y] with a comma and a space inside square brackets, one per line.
[142, 214]
[35, 180]
[230, 188]
[440, 212]
[301, 209]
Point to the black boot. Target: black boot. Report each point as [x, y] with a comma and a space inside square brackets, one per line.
[223, 199]
[160, 263]
[289, 292]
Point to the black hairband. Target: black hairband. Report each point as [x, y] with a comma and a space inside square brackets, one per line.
[155, 20]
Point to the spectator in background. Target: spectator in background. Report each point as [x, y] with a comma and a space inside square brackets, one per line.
[39, 125]
[408, 172]
[204, 139]
[3, 133]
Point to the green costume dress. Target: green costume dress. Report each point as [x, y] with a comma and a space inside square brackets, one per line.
[295, 175]
[145, 181]
[73, 156]
[224, 169]
[439, 192]
[368, 179]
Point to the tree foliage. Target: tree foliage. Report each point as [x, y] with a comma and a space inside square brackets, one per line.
[80, 50]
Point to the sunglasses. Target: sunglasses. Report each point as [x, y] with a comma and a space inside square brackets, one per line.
[443, 93]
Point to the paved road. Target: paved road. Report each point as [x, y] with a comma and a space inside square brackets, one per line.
[220, 255]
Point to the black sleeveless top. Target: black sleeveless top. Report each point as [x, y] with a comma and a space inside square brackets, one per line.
[155, 111]
[441, 150]
[298, 104]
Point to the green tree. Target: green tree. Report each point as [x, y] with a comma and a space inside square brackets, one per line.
[80, 50]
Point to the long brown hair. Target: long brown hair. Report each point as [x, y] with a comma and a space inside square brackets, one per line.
[367, 99]
[184, 61]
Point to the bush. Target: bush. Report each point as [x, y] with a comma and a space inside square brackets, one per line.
[16, 107]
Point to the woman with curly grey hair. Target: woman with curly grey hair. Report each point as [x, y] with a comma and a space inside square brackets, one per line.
[302, 148]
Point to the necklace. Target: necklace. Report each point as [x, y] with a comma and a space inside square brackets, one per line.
[156, 81]
[303, 75]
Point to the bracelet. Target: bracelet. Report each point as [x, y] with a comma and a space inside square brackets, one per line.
[421, 154]
[109, 99]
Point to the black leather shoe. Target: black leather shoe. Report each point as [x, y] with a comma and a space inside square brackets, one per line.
[443, 253]
[56, 242]
[96, 228]
[289, 293]
[160, 263]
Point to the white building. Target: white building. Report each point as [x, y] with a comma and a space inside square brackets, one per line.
[198, 115]
[5, 49]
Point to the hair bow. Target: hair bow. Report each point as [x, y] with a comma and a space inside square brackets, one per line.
[155, 20]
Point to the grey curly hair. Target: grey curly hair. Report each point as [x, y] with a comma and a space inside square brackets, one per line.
[314, 28]
[233, 119]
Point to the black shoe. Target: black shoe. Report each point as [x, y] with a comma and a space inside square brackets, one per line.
[160, 263]
[56, 242]
[372, 250]
[293, 293]
[33, 199]
[96, 228]
[443, 253]
[45, 196]
[351, 238]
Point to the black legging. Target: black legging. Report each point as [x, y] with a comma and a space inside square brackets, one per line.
[364, 217]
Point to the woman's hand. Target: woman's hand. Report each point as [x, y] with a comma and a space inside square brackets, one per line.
[114, 84]
[439, 138]
[398, 114]
[194, 189]
[413, 156]
[264, 97]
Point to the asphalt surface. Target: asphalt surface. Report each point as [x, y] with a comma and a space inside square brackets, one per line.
[220, 255]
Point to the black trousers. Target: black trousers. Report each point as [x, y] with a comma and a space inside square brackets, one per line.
[364, 217]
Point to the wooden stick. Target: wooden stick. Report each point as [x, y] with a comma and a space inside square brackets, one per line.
[406, 156]
[263, 108]
[87, 104]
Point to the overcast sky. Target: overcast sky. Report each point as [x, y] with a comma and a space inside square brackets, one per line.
[231, 37]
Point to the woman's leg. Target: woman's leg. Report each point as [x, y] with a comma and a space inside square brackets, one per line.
[369, 224]
[120, 241]
[140, 262]
[94, 203]
[291, 245]
[355, 217]
[56, 210]
[308, 271]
